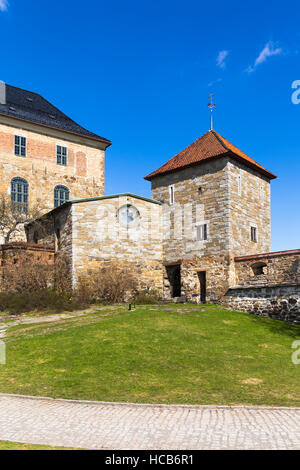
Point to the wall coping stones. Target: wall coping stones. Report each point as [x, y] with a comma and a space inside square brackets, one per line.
[26, 246]
[260, 286]
[274, 254]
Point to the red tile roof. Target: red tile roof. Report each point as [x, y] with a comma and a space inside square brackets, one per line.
[210, 145]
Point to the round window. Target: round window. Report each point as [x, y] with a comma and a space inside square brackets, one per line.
[128, 215]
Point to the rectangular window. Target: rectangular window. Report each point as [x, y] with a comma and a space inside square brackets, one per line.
[61, 155]
[171, 189]
[201, 232]
[253, 234]
[239, 185]
[20, 146]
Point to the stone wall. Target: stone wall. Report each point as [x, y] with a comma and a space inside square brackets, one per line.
[281, 267]
[19, 254]
[89, 233]
[229, 198]
[83, 175]
[16, 253]
[99, 237]
[200, 197]
[249, 206]
[268, 285]
[280, 302]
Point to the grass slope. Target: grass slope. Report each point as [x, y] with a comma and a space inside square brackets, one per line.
[7, 445]
[157, 354]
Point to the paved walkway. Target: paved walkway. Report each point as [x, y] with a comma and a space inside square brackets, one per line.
[97, 425]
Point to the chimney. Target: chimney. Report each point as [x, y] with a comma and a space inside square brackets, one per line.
[2, 93]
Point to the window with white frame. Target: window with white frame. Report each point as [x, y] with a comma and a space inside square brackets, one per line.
[171, 191]
[61, 155]
[20, 146]
[201, 232]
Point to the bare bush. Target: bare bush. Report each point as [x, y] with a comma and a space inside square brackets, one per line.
[111, 284]
[31, 285]
[62, 276]
[27, 277]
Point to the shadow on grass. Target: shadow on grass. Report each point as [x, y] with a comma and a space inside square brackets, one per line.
[277, 326]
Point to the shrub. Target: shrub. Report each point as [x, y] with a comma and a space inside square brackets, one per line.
[45, 299]
[145, 296]
[110, 284]
[31, 285]
[28, 277]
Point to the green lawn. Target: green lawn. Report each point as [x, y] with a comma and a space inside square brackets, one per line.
[156, 354]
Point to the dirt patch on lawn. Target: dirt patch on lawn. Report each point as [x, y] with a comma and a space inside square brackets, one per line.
[252, 381]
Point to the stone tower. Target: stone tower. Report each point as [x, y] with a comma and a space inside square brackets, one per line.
[216, 205]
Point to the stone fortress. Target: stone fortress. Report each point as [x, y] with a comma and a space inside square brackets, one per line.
[205, 236]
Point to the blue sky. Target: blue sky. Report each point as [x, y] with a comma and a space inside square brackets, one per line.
[139, 74]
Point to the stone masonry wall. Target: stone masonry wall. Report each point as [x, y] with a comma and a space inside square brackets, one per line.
[98, 237]
[212, 194]
[88, 234]
[13, 254]
[281, 302]
[16, 254]
[249, 206]
[274, 293]
[200, 196]
[281, 268]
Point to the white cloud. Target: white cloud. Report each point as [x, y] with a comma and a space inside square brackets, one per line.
[3, 5]
[221, 59]
[213, 82]
[268, 51]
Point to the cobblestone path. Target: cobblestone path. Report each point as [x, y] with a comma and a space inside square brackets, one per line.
[97, 425]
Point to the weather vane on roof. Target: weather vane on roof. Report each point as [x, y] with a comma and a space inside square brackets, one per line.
[211, 106]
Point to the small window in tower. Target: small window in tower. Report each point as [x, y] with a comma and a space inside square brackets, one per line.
[201, 232]
[239, 185]
[254, 234]
[171, 189]
[20, 146]
[61, 155]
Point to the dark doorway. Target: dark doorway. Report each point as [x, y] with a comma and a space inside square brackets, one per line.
[202, 280]
[174, 277]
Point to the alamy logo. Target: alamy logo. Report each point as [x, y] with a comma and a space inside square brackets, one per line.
[296, 93]
[296, 354]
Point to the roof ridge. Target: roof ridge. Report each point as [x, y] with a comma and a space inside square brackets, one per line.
[220, 139]
[23, 89]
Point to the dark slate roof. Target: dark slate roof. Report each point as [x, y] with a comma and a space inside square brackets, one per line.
[32, 107]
